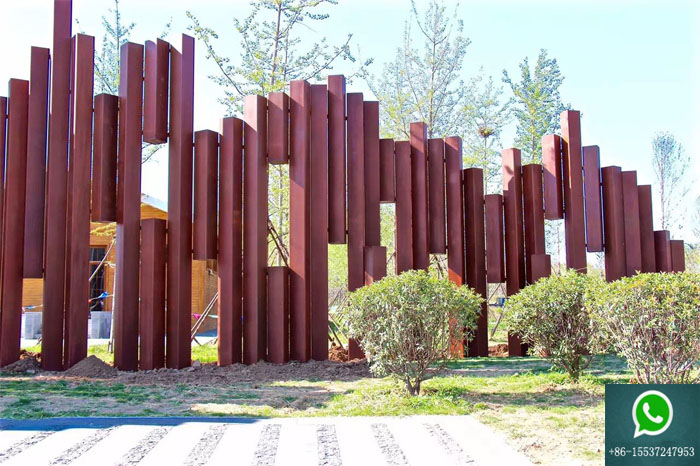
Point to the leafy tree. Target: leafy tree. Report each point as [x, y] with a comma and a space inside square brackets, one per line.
[271, 49]
[670, 164]
[424, 84]
[537, 104]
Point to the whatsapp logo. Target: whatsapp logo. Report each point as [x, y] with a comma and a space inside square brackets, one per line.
[652, 413]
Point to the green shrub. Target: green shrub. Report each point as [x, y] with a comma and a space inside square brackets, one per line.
[653, 321]
[552, 316]
[405, 323]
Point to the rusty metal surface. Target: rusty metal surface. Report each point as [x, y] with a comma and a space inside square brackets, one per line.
[646, 228]
[662, 249]
[541, 265]
[552, 174]
[230, 260]
[677, 255]
[128, 208]
[375, 263]
[613, 215]
[206, 167]
[476, 254]
[574, 222]
[13, 224]
[594, 209]
[152, 302]
[179, 270]
[633, 245]
[436, 196]
[278, 314]
[336, 160]
[155, 92]
[36, 163]
[455, 211]
[404, 207]
[370, 120]
[533, 216]
[356, 191]
[495, 267]
[299, 191]
[3, 139]
[104, 159]
[419, 185]
[278, 128]
[254, 229]
[387, 185]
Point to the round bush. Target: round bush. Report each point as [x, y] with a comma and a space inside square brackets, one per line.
[405, 323]
[653, 321]
[552, 316]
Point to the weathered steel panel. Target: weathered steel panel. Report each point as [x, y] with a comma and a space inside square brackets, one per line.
[677, 255]
[662, 249]
[387, 185]
[476, 254]
[152, 303]
[541, 265]
[278, 314]
[646, 228]
[455, 211]
[336, 160]
[594, 210]
[206, 167]
[573, 191]
[356, 191]
[633, 241]
[419, 185]
[371, 162]
[278, 128]
[155, 92]
[553, 181]
[375, 263]
[495, 268]
[613, 216]
[404, 207]
[436, 193]
[104, 159]
[533, 215]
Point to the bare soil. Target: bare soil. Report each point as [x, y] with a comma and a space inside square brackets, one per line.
[92, 367]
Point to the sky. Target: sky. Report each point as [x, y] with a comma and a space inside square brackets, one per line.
[631, 67]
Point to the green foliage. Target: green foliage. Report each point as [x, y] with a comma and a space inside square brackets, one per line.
[405, 323]
[651, 319]
[552, 315]
[537, 104]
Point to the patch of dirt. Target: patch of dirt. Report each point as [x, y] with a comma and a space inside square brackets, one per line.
[92, 367]
[27, 363]
[500, 350]
[337, 353]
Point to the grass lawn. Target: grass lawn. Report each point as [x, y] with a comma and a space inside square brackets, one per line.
[541, 412]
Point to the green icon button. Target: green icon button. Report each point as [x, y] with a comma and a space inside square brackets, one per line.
[652, 413]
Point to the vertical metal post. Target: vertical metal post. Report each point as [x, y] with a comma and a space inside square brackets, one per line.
[455, 211]
[3, 140]
[254, 228]
[278, 128]
[594, 210]
[541, 266]
[553, 182]
[128, 207]
[230, 265]
[78, 261]
[13, 222]
[299, 191]
[677, 255]
[104, 157]
[633, 241]
[476, 254]
[387, 185]
[318, 221]
[404, 207]
[336, 160]
[179, 270]
[436, 195]
[662, 249]
[36, 164]
[375, 264]
[206, 163]
[278, 314]
[646, 228]
[370, 120]
[573, 191]
[613, 214]
[155, 91]
[419, 185]
[152, 303]
[495, 268]
[533, 215]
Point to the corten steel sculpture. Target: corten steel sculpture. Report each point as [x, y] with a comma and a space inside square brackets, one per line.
[340, 171]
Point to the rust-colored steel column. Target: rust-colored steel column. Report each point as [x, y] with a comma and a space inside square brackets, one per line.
[370, 121]
[36, 164]
[278, 314]
[336, 160]
[574, 227]
[299, 191]
[356, 191]
[179, 270]
[152, 304]
[541, 265]
[633, 241]
[594, 210]
[419, 185]
[404, 207]
[455, 211]
[646, 228]
[356, 202]
[13, 223]
[387, 185]
[552, 175]
[662, 249]
[104, 159]
[613, 216]
[318, 220]
[78, 261]
[230, 264]
[206, 166]
[677, 255]
[126, 300]
[495, 268]
[56, 191]
[375, 264]
[254, 228]
[436, 194]
[278, 128]
[514, 247]
[3, 139]
[155, 92]
[533, 215]
[476, 254]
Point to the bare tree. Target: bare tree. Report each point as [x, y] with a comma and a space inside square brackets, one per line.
[670, 164]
